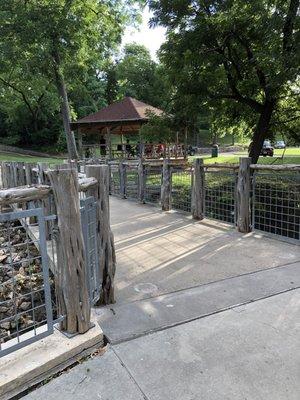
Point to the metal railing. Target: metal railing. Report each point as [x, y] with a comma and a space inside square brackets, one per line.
[25, 287]
[182, 183]
[115, 184]
[132, 182]
[219, 191]
[153, 182]
[276, 203]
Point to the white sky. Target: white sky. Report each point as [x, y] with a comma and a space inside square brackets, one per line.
[151, 38]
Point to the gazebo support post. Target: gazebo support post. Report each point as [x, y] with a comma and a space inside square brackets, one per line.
[79, 142]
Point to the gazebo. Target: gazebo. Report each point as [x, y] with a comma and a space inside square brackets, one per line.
[122, 118]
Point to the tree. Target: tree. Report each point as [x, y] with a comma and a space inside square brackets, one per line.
[57, 39]
[238, 52]
[140, 77]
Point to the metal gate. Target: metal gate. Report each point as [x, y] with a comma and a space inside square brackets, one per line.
[88, 209]
[25, 297]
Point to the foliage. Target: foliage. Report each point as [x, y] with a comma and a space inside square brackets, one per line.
[238, 57]
[135, 74]
[159, 129]
[50, 45]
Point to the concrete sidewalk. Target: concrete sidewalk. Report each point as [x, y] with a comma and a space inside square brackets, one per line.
[178, 330]
[250, 352]
[159, 252]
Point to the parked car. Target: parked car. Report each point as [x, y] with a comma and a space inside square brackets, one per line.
[280, 144]
[267, 149]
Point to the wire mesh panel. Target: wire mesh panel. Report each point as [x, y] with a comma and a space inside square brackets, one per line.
[132, 181]
[220, 188]
[182, 180]
[115, 180]
[276, 203]
[88, 209]
[153, 184]
[25, 295]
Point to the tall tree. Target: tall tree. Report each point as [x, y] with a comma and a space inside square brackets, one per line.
[233, 51]
[58, 37]
[141, 77]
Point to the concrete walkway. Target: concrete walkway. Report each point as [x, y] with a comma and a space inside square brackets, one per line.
[202, 312]
[248, 353]
[159, 253]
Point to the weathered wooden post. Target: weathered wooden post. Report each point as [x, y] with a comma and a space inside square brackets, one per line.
[71, 279]
[105, 239]
[166, 188]
[122, 174]
[198, 191]
[243, 196]
[43, 179]
[141, 180]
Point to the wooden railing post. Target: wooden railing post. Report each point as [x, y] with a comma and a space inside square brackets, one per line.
[43, 179]
[141, 180]
[198, 193]
[71, 280]
[243, 196]
[122, 174]
[105, 238]
[166, 188]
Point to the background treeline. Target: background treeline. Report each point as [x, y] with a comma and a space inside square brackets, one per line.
[228, 70]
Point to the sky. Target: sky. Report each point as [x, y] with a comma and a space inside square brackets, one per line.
[151, 38]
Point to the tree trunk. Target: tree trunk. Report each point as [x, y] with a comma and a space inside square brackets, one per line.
[261, 130]
[65, 109]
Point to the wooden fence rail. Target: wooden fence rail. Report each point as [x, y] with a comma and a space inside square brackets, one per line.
[34, 185]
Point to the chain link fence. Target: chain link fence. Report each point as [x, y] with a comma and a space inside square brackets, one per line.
[276, 203]
[220, 189]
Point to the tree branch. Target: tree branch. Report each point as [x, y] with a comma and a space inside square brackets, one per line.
[21, 93]
[287, 31]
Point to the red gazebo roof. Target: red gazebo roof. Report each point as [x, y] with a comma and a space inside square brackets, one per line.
[126, 110]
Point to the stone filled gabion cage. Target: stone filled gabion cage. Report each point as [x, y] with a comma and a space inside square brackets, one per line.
[57, 255]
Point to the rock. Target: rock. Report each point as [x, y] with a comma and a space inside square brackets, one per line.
[26, 305]
[5, 325]
[3, 257]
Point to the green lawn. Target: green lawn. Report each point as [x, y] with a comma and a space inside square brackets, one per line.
[291, 156]
[29, 159]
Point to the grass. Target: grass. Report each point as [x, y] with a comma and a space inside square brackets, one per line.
[291, 156]
[29, 159]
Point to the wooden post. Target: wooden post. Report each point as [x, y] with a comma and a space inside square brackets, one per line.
[141, 180]
[43, 179]
[108, 143]
[122, 174]
[166, 189]
[71, 279]
[106, 247]
[198, 193]
[243, 196]
[79, 142]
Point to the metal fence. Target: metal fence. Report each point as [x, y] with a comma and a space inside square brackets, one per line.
[132, 181]
[182, 181]
[219, 189]
[153, 181]
[115, 183]
[25, 287]
[276, 203]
